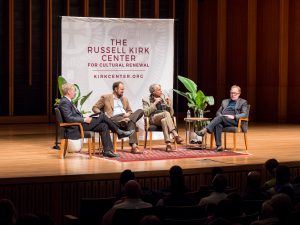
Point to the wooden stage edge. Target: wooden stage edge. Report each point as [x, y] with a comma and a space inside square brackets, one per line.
[33, 177]
[27, 154]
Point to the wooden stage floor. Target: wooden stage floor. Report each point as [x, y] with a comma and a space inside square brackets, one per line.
[26, 151]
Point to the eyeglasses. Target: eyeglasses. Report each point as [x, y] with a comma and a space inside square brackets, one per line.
[234, 93]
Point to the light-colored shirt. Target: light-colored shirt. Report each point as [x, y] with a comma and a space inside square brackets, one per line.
[118, 106]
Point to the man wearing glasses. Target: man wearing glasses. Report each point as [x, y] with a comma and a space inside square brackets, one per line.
[227, 116]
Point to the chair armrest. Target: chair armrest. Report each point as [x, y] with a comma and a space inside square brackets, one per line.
[71, 220]
[240, 122]
[146, 122]
[74, 124]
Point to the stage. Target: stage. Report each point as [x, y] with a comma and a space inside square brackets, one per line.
[26, 151]
[32, 175]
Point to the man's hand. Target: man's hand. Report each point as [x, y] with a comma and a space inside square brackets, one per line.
[157, 100]
[126, 115]
[230, 116]
[168, 101]
[87, 119]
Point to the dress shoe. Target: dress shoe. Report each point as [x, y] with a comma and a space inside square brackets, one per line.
[219, 149]
[123, 134]
[201, 132]
[178, 139]
[110, 154]
[168, 147]
[135, 150]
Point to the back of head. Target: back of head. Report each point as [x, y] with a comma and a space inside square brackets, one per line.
[253, 179]
[219, 182]
[150, 220]
[177, 179]
[175, 171]
[132, 189]
[215, 171]
[8, 212]
[281, 204]
[125, 176]
[271, 165]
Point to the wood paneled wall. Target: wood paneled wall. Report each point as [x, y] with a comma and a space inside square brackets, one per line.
[218, 43]
[254, 44]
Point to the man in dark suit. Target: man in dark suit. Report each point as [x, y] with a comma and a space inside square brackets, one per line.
[227, 116]
[100, 124]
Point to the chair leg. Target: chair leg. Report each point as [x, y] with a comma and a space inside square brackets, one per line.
[234, 141]
[63, 148]
[150, 140]
[145, 139]
[90, 147]
[122, 143]
[246, 140]
[211, 140]
[137, 138]
[225, 140]
[93, 145]
[115, 142]
[176, 146]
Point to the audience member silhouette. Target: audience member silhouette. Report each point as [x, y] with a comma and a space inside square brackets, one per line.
[29, 219]
[253, 189]
[219, 184]
[8, 212]
[270, 166]
[283, 184]
[276, 211]
[132, 200]
[125, 176]
[150, 220]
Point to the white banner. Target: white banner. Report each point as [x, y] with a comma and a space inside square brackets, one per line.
[96, 52]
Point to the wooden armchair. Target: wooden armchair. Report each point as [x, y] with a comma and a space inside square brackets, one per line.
[241, 128]
[64, 140]
[153, 128]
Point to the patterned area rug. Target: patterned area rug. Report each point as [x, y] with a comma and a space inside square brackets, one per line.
[159, 153]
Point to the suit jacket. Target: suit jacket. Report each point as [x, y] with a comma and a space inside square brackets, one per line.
[150, 108]
[106, 104]
[241, 108]
[70, 114]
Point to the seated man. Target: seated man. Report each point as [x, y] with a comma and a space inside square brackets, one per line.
[160, 111]
[228, 115]
[100, 124]
[117, 108]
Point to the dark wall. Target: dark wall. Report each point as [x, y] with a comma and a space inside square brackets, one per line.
[252, 43]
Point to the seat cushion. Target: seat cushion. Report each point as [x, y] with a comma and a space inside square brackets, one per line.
[230, 129]
[154, 128]
[89, 134]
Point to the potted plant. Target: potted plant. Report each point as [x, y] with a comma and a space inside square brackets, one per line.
[197, 100]
[78, 100]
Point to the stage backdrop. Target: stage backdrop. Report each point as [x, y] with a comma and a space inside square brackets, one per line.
[99, 51]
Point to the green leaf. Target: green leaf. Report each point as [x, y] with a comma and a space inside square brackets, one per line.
[200, 98]
[188, 83]
[181, 93]
[60, 82]
[85, 97]
[210, 100]
[77, 95]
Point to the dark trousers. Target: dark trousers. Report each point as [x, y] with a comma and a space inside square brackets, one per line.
[102, 124]
[131, 125]
[216, 126]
